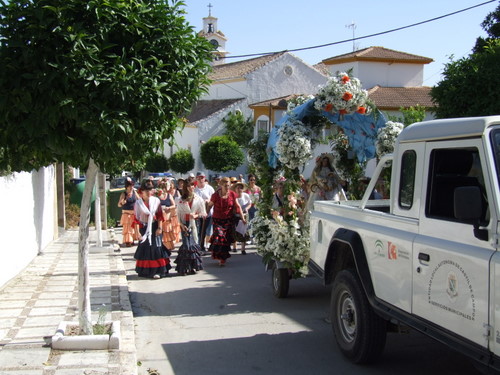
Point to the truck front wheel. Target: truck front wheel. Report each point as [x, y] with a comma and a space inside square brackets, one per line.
[359, 332]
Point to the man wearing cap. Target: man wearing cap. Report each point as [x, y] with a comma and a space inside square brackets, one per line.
[216, 181]
[205, 191]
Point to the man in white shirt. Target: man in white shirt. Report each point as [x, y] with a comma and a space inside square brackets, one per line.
[205, 191]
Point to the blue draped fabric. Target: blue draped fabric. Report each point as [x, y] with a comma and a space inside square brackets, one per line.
[361, 130]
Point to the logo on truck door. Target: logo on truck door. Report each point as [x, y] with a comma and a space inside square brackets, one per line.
[450, 289]
[392, 250]
[379, 249]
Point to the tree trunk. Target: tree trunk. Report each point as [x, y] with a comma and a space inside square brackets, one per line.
[97, 212]
[85, 314]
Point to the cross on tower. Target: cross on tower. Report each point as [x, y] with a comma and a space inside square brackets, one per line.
[210, 6]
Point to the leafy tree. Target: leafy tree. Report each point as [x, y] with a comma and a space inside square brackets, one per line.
[182, 161]
[470, 84]
[238, 129]
[410, 115]
[157, 163]
[221, 154]
[491, 25]
[93, 83]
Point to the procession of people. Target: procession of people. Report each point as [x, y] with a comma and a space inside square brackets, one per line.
[195, 217]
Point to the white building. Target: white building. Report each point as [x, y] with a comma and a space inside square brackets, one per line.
[29, 218]
[393, 79]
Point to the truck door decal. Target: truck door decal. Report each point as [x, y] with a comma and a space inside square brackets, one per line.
[449, 285]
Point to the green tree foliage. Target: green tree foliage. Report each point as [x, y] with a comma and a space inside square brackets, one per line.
[94, 83]
[470, 84]
[157, 163]
[491, 25]
[238, 129]
[221, 154]
[410, 116]
[94, 79]
[182, 161]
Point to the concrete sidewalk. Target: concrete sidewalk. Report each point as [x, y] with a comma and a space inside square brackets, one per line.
[45, 293]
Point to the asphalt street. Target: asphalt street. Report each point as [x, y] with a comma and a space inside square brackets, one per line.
[225, 320]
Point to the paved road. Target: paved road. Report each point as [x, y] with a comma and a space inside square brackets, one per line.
[226, 321]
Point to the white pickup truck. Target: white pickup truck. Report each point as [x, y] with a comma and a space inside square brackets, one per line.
[426, 258]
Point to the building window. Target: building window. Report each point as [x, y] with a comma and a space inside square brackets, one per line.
[262, 126]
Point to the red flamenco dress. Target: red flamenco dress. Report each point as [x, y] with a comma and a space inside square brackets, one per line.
[223, 226]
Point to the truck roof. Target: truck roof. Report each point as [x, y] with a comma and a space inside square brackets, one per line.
[464, 127]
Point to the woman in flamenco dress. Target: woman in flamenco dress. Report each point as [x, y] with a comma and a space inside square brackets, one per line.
[152, 257]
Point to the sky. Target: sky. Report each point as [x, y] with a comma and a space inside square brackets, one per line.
[274, 25]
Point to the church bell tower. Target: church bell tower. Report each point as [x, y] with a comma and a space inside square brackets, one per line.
[215, 37]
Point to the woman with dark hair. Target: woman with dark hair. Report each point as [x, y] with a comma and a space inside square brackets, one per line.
[168, 207]
[190, 208]
[152, 257]
[254, 192]
[225, 204]
[126, 202]
[173, 213]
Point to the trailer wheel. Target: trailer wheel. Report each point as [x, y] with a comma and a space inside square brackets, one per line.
[280, 281]
[359, 332]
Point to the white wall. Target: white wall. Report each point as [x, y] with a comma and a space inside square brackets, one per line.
[227, 90]
[383, 74]
[271, 81]
[28, 219]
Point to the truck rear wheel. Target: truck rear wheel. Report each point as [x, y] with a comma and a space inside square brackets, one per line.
[359, 332]
[280, 281]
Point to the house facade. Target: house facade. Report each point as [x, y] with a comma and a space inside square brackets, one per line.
[393, 79]
[235, 86]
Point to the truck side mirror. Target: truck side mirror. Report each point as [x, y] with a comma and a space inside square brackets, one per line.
[468, 206]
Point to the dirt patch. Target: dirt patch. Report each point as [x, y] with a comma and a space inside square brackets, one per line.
[98, 329]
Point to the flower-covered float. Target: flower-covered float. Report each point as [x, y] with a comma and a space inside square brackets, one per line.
[281, 232]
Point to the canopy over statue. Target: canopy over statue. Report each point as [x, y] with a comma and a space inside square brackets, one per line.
[360, 129]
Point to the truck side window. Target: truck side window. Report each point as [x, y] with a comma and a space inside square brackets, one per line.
[407, 179]
[449, 169]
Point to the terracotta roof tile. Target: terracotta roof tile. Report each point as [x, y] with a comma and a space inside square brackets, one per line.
[206, 108]
[240, 69]
[323, 68]
[396, 97]
[378, 54]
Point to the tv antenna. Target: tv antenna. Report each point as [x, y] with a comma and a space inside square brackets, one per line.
[352, 26]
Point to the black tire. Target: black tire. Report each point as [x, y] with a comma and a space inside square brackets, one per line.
[280, 281]
[359, 332]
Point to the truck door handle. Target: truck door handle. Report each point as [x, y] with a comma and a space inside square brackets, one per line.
[424, 257]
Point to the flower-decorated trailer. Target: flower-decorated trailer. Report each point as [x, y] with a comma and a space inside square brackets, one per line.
[281, 227]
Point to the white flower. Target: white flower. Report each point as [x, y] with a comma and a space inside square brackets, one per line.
[297, 101]
[287, 241]
[342, 94]
[386, 137]
[294, 144]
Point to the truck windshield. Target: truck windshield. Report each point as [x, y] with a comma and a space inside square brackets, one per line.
[495, 142]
